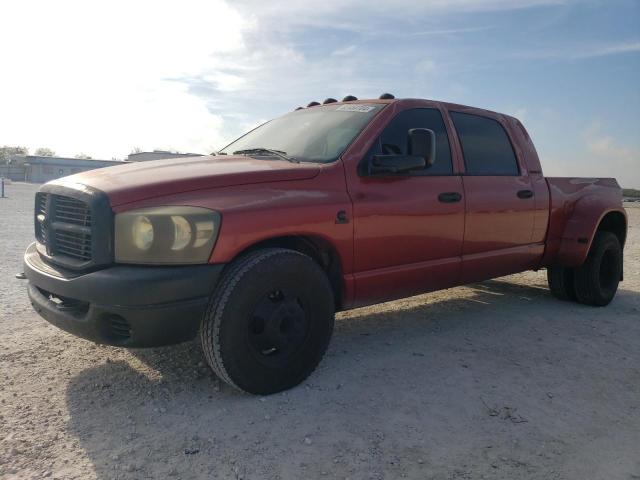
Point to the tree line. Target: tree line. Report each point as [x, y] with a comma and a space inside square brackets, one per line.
[7, 151]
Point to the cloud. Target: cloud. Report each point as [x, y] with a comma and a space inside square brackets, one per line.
[312, 12]
[611, 159]
[340, 52]
[95, 77]
[519, 112]
[602, 155]
[104, 78]
[452, 31]
[605, 146]
[612, 49]
[577, 52]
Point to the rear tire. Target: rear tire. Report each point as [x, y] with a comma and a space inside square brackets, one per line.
[561, 282]
[269, 321]
[596, 281]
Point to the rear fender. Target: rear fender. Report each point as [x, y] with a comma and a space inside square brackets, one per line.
[581, 227]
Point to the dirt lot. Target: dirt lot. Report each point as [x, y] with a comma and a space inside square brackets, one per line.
[494, 380]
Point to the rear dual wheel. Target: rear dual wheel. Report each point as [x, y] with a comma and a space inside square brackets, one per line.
[269, 322]
[596, 281]
[561, 282]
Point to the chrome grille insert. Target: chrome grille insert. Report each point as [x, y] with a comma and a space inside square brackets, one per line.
[70, 210]
[77, 245]
[41, 215]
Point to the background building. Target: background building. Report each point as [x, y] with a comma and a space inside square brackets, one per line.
[158, 155]
[39, 169]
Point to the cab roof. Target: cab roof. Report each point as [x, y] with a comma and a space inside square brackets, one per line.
[420, 102]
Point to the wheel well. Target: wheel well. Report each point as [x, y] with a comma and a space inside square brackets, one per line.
[317, 248]
[615, 223]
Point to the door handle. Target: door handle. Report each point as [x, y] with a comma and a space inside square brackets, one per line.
[449, 197]
[525, 194]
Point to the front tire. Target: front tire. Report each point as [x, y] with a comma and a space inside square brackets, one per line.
[596, 281]
[269, 321]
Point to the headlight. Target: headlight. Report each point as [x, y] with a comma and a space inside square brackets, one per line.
[166, 235]
[142, 232]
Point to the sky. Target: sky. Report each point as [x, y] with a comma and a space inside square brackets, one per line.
[103, 78]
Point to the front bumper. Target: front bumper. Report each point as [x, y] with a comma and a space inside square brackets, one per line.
[127, 306]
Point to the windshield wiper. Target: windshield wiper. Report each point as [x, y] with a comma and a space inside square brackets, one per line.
[258, 151]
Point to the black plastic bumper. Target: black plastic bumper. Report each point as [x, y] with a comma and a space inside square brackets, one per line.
[127, 306]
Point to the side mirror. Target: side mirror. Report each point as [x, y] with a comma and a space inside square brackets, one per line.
[422, 143]
[422, 154]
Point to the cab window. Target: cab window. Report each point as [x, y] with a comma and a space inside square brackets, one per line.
[395, 139]
[486, 147]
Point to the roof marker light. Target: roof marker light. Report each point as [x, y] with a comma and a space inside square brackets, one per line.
[349, 98]
[386, 96]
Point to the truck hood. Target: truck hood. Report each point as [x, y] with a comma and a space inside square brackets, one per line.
[142, 180]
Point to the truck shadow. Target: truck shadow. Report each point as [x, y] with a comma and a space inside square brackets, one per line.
[428, 371]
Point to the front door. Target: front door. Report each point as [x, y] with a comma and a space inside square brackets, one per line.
[408, 228]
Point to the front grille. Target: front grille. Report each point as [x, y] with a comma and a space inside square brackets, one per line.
[63, 226]
[73, 227]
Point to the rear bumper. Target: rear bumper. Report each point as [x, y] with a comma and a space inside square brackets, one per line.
[128, 306]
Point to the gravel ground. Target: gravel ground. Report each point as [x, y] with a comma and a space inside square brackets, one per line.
[493, 380]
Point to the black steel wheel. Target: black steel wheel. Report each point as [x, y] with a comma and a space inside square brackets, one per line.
[279, 327]
[596, 281]
[269, 321]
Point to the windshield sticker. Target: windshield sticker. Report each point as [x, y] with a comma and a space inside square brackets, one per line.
[355, 108]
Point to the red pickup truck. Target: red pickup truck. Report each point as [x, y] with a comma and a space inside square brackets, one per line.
[326, 208]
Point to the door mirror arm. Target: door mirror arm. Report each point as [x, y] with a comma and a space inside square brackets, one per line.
[395, 164]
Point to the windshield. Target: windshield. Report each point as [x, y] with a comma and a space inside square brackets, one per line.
[316, 134]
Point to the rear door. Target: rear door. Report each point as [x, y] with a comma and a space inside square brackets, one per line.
[500, 204]
[408, 227]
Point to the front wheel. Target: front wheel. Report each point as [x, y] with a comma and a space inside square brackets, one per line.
[269, 321]
[596, 281]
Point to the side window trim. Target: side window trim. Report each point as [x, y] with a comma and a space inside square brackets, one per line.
[516, 153]
[457, 157]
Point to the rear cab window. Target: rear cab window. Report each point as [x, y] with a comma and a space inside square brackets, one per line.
[486, 147]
